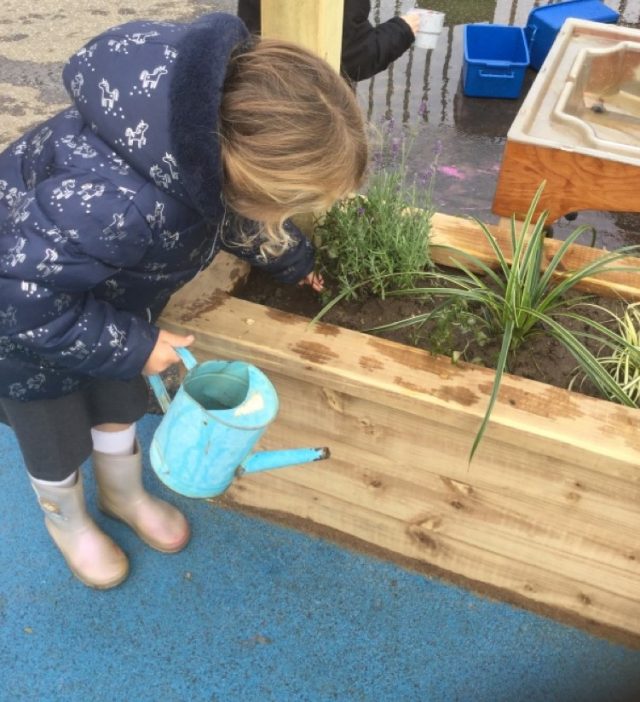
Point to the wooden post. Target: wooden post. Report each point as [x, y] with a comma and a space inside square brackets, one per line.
[314, 24]
[317, 26]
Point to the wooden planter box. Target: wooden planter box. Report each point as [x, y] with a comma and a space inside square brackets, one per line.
[548, 513]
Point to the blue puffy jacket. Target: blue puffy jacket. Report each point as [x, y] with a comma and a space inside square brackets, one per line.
[112, 205]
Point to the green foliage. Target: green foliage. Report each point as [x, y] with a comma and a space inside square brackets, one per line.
[624, 363]
[520, 299]
[453, 327]
[622, 359]
[378, 241]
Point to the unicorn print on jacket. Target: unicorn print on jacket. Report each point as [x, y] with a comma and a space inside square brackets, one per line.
[113, 204]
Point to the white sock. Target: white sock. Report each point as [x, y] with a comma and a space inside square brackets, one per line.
[67, 482]
[116, 443]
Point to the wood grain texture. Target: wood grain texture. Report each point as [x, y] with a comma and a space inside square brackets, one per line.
[466, 235]
[549, 510]
[480, 562]
[224, 275]
[574, 182]
[314, 24]
[563, 425]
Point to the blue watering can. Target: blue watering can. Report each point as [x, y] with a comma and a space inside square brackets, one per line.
[210, 427]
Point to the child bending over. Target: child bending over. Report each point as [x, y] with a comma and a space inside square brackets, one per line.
[184, 139]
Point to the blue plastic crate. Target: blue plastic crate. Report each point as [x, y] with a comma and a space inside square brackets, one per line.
[495, 59]
[545, 22]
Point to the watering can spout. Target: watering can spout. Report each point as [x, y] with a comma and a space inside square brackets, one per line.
[267, 460]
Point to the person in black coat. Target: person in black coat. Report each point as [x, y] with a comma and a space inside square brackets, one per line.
[366, 49]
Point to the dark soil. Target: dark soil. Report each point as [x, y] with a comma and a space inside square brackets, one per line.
[540, 357]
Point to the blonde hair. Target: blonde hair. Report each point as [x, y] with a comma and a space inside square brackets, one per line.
[292, 136]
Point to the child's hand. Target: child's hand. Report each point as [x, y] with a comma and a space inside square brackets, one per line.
[164, 354]
[315, 280]
[413, 20]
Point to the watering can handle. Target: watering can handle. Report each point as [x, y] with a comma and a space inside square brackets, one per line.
[159, 388]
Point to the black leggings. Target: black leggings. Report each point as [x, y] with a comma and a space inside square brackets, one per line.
[55, 435]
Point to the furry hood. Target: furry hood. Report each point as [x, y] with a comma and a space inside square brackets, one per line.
[151, 91]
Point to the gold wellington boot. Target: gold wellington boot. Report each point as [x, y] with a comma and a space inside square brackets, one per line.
[90, 554]
[121, 495]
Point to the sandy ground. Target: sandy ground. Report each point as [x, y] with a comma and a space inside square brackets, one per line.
[37, 38]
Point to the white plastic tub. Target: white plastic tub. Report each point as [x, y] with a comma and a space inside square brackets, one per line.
[586, 97]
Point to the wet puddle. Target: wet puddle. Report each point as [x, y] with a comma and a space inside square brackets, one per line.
[422, 93]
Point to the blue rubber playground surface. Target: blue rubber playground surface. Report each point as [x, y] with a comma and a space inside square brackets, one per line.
[252, 611]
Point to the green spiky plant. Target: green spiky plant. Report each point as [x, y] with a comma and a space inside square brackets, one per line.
[520, 299]
[624, 362]
[622, 356]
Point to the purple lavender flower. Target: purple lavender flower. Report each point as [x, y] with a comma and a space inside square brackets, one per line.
[377, 160]
[425, 177]
[396, 143]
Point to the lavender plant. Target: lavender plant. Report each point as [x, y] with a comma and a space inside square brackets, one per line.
[379, 240]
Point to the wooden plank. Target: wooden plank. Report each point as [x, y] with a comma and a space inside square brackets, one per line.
[224, 275]
[574, 182]
[465, 235]
[516, 521]
[374, 439]
[548, 509]
[493, 522]
[314, 24]
[528, 416]
[477, 564]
